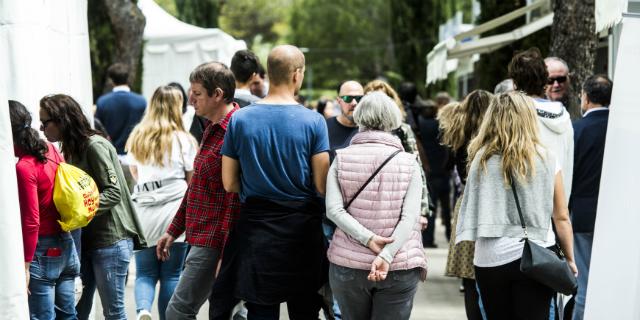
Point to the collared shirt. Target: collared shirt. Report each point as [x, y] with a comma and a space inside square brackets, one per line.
[123, 87]
[207, 212]
[594, 109]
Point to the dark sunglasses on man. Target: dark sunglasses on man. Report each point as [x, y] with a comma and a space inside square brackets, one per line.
[561, 79]
[348, 99]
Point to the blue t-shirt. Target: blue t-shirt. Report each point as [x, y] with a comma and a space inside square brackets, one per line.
[274, 145]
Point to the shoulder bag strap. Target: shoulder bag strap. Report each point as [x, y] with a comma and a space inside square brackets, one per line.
[371, 178]
[515, 196]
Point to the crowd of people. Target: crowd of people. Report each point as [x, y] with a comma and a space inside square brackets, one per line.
[235, 193]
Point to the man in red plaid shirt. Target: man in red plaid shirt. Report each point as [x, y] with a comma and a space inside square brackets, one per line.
[207, 212]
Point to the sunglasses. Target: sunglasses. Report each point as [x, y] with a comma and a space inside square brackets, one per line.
[348, 99]
[561, 79]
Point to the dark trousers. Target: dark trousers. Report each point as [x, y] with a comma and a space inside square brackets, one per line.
[440, 193]
[471, 297]
[299, 308]
[508, 294]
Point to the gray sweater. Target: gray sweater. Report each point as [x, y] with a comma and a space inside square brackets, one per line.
[488, 208]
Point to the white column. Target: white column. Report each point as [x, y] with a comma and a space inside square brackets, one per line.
[614, 278]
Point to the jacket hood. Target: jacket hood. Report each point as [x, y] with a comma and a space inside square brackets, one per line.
[553, 115]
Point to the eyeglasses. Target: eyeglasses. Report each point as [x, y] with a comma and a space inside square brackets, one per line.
[348, 99]
[560, 79]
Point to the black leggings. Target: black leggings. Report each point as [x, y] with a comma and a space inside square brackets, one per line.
[471, 299]
[508, 294]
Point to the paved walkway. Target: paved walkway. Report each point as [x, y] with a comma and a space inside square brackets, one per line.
[438, 298]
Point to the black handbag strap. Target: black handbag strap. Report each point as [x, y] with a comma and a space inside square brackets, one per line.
[515, 196]
[372, 176]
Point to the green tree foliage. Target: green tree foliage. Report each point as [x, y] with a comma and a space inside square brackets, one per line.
[346, 40]
[492, 67]
[202, 13]
[246, 19]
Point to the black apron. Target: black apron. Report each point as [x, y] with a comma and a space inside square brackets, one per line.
[275, 251]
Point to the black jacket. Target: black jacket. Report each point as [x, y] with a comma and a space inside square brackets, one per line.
[589, 139]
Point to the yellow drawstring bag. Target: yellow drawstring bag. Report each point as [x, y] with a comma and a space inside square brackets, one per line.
[76, 197]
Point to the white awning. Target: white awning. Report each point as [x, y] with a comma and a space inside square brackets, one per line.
[461, 47]
[609, 13]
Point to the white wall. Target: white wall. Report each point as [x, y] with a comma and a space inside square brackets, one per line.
[44, 49]
[614, 278]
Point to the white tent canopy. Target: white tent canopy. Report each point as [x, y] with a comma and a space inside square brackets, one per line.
[174, 48]
[459, 46]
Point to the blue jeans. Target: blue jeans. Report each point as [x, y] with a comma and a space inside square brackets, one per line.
[105, 269]
[52, 279]
[149, 270]
[582, 243]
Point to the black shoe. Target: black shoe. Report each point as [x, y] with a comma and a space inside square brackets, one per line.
[430, 245]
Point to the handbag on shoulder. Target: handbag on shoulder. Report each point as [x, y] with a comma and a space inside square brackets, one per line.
[542, 264]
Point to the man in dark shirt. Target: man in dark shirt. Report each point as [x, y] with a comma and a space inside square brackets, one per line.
[120, 110]
[589, 138]
[342, 128]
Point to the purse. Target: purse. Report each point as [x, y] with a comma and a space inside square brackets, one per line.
[544, 265]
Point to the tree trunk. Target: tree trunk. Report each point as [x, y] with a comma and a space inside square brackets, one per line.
[573, 38]
[128, 24]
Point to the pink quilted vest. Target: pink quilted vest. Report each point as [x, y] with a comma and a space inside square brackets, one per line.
[379, 205]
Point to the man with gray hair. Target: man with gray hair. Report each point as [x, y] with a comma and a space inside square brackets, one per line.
[558, 83]
[276, 252]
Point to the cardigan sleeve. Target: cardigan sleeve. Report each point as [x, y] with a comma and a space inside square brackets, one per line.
[409, 216]
[29, 209]
[337, 213]
[104, 174]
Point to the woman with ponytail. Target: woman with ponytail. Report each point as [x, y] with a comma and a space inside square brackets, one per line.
[51, 261]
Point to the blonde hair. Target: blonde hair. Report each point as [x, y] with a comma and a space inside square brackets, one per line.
[461, 124]
[152, 139]
[510, 130]
[379, 85]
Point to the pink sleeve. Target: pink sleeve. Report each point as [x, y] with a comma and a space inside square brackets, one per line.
[29, 208]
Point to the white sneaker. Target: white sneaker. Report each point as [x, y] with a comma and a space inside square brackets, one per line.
[144, 315]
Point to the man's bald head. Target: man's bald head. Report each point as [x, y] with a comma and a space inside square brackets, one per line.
[282, 62]
[350, 87]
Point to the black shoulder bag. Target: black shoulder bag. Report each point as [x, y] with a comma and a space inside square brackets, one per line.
[371, 178]
[544, 265]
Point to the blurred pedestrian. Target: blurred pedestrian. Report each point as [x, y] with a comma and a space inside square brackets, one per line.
[376, 254]
[109, 240]
[51, 262]
[161, 161]
[459, 123]
[506, 152]
[245, 66]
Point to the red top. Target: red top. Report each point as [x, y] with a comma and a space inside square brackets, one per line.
[207, 212]
[35, 189]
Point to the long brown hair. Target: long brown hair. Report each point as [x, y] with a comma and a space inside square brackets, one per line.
[72, 123]
[24, 136]
[460, 125]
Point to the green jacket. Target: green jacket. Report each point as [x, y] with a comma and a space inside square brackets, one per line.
[116, 219]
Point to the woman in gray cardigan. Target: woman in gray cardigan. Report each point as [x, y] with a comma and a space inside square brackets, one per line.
[507, 145]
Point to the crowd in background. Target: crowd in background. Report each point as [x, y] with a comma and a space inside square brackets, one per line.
[232, 192]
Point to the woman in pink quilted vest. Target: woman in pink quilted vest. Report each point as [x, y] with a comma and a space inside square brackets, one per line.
[373, 196]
